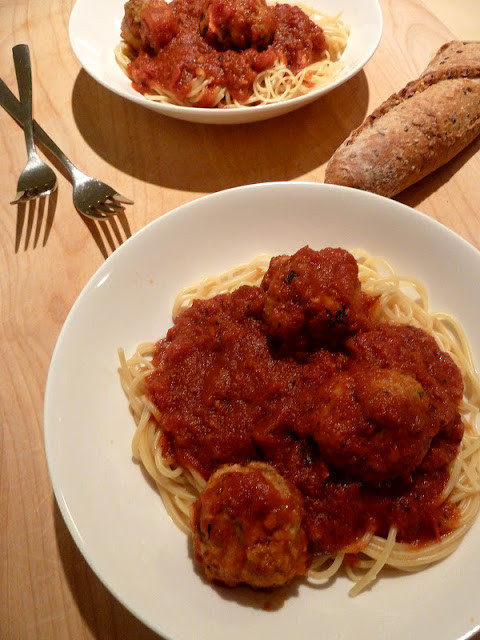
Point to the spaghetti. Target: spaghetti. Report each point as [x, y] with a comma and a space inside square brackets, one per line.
[402, 301]
[199, 75]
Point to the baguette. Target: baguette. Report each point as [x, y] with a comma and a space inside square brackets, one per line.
[416, 130]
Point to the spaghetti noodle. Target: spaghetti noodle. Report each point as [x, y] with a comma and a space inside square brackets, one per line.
[205, 77]
[402, 300]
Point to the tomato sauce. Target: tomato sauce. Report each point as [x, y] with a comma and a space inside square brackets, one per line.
[225, 42]
[361, 416]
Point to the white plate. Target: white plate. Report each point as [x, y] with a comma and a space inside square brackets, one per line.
[116, 517]
[94, 31]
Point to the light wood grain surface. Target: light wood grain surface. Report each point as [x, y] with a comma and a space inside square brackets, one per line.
[47, 254]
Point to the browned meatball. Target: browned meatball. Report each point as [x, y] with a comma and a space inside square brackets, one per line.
[247, 527]
[237, 24]
[375, 423]
[301, 41]
[415, 352]
[313, 295]
[131, 24]
[444, 447]
[159, 25]
[148, 24]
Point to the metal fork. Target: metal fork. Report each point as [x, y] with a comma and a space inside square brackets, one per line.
[37, 178]
[92, 198]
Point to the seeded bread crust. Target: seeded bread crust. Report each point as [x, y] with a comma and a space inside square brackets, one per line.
[416, 130]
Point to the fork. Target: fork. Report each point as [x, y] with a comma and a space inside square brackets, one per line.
[37, 178]
[91, 198]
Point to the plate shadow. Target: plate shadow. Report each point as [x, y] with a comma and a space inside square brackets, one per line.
[174, 154]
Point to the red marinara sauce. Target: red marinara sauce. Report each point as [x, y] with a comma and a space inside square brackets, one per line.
[227, 43]
[359, 415]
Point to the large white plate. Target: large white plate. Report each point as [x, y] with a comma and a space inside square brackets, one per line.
[94, 31]
[115, 516]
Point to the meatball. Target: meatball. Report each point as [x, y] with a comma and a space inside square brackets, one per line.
[313, 296]
[247, 527]
[131, 24]
[302, 41]
[374, 423]
[159, 25]
[237, 24]
[148, 24]
[416, 353]
[444, 447]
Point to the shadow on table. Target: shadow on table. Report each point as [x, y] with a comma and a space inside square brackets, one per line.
[185, 156]
[105, 617]
[110, 233]
[35, 219]
[34, 222]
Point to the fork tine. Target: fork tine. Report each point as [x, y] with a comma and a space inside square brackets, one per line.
[25, 196]
[105, 209]
[19, 197]
[30, 194]
[112, 204]
[118, 197]
[110, 208]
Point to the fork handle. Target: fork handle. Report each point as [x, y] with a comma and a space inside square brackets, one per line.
[23, 70]
[17, 110]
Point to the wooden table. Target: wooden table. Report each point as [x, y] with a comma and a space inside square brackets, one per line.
[47, 591]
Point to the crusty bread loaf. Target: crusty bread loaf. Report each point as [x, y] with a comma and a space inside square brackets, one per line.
[416, 130]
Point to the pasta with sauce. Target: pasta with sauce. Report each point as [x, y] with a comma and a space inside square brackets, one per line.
[228, 53]
[449, 468]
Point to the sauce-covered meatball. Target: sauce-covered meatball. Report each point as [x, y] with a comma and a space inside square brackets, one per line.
[374, 423]
[416, 353]
[247, 527]
[237, 24]
[313, 296]
[148, 24]
[131, 23]
[299, 41]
